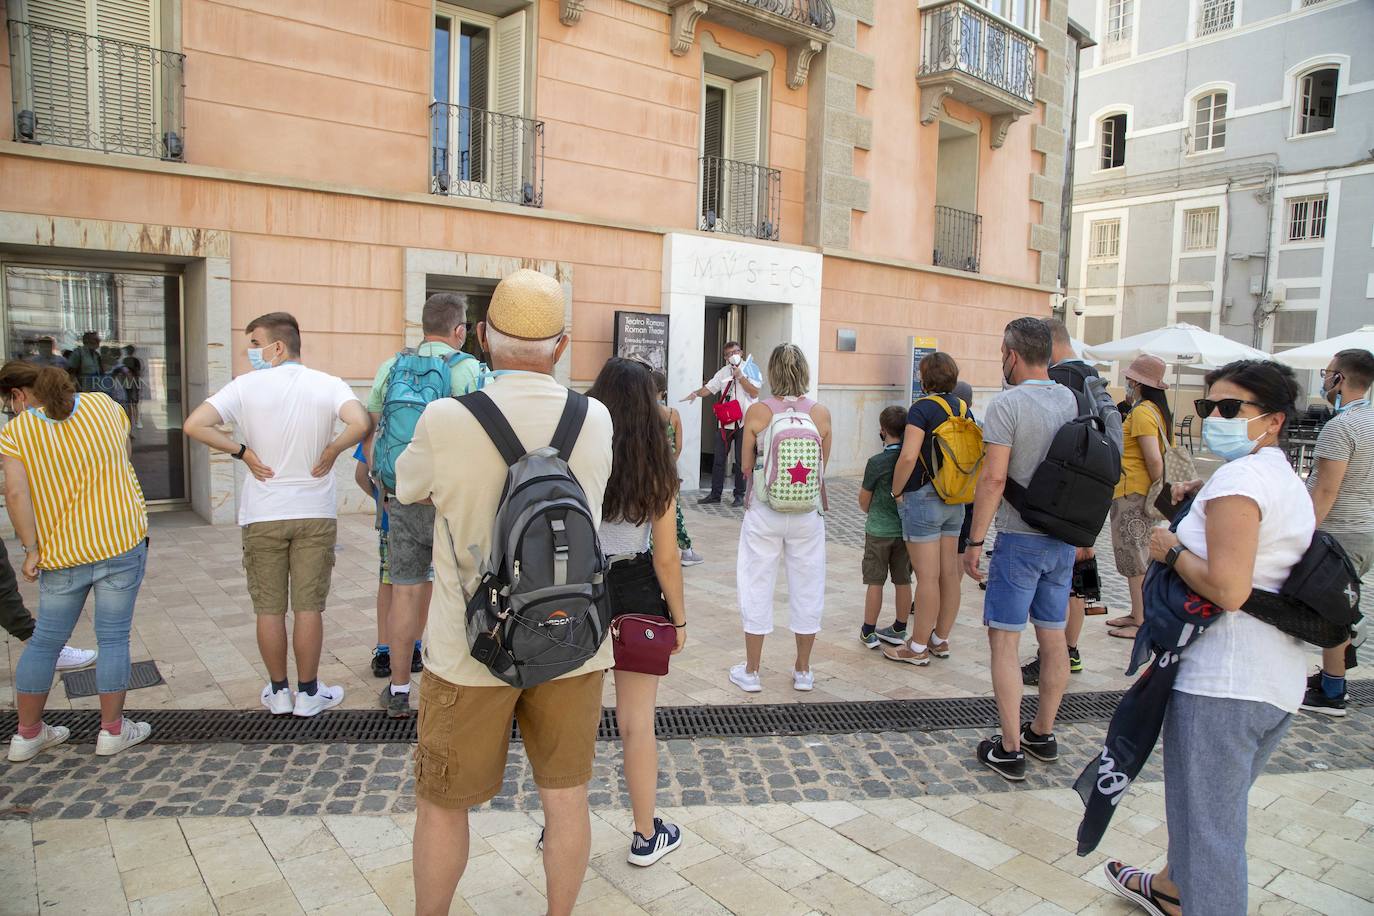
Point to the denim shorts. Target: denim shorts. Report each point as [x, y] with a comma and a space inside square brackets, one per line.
[1029, 577]
[926, 517]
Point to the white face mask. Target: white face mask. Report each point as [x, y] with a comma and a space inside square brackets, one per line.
[735, 359]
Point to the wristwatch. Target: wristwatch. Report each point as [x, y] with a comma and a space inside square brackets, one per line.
[242, 448]
[973, 543]
[1172, 556]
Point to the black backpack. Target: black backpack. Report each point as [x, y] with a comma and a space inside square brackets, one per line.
[1070, 493]
[540, 610]
[1319, 601]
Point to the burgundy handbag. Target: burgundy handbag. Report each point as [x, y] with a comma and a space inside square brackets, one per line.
[642, 643]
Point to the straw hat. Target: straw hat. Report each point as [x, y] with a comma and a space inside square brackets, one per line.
[1147, 370]
[527, 305]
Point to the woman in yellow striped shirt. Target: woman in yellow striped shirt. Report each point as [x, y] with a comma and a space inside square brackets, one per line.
[78, 511]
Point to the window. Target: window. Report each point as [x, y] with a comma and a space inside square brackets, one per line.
[1113, 146]
[1317, 101]
[736, 188]
[1098, 329]
[1293, 329]
[1018, 12]
[1197, 319]
[1104, 240]
[1119, 21]
[1216, 16]
[1209, 123]
[1307, 218]
[1200, 229]
[482, 146]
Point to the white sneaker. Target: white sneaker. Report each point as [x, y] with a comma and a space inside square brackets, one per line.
[744, 680]
[130, 733]
[691, 558]
[803, 680]
[22, 749]
[73, 659]
[278, 703]
[324, 698]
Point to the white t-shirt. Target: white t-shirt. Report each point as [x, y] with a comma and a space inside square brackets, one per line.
[1241, 657]
[725, 378]
[286, 415]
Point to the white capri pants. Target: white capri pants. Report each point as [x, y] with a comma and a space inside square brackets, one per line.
[766, 538]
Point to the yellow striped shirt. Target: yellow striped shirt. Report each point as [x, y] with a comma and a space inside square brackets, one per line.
[86, 498]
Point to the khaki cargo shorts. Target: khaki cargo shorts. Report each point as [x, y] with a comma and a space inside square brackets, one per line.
[289, 557]
[464, 735]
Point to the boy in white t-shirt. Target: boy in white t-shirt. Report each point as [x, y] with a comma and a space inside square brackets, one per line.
[287, 509]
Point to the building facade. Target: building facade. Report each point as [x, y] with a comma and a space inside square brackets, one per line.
[763, 169]
[1224, 170]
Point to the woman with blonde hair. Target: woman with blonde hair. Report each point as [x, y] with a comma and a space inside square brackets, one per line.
[78, 511]
[782, 526]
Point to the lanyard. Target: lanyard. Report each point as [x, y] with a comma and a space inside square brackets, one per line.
[1362, 402]
[1040, 381]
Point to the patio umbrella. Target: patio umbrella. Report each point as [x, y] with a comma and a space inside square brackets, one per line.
[1078, 350]
[1178, 345]
[1317, 355]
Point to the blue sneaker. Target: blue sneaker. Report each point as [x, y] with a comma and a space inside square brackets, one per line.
[645, 852]
[891, 635]
[870, 640]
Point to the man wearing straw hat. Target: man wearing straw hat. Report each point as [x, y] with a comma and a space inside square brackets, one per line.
[465, 711]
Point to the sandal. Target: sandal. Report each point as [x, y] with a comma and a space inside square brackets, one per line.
[1147, 898]
[1118, 622]
[1120, 632]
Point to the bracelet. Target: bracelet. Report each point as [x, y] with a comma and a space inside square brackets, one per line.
[28, 549]
[973, 543]
[242, 448]
[679, 626]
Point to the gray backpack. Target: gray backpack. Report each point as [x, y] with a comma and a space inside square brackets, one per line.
[540, 609]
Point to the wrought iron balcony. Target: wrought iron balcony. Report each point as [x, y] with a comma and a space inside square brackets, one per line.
[73, 89]
[979, 60]
[958, 239]
[741, 198]
[814, 13]
[804, 27]
[480, 153]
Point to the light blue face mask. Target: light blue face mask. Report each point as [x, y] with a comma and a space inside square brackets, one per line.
[1229, 439]
[255, 359]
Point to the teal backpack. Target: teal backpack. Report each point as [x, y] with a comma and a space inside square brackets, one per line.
[411, 384]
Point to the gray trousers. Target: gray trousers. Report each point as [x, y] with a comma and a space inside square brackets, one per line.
[1214, 750]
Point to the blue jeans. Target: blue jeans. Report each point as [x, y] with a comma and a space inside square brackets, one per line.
[926, 517]
[61, 596]
[1029, 577]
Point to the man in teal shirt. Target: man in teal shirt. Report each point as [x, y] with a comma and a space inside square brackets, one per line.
[410, 533]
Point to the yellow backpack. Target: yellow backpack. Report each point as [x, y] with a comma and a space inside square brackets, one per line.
[959, 443]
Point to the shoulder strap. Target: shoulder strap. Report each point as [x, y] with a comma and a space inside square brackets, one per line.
[943, 403]
[494, 423]
[570, 424]
[775, 405]
[457, 357]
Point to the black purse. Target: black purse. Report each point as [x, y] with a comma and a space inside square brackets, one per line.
[1320, 600]
[632, 587]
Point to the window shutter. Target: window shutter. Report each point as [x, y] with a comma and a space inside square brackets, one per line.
[713, 132]
[743, 196]
[508, 140]
[746, 119]
[60, 65]
[124, 67]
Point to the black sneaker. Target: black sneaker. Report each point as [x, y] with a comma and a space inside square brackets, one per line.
[381, 663]
[1007, 764]
[417, 664]
[1041, 747]
[1075, 662]
[738, 501]
[709, 500]
[1030, 672]
[1315, 681]
[1316, 700]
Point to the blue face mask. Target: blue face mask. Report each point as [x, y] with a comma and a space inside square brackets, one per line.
[255, 359]
[1229, 439]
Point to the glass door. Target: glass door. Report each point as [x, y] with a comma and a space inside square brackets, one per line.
[117, 333]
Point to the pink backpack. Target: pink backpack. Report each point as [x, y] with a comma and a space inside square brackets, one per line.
[789, 472]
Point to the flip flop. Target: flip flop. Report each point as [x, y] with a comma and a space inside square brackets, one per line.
[1120, 632]
[1116, 622]
[1147, 898]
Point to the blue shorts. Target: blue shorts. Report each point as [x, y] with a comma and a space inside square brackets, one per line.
[1029, 577]
[926, 517]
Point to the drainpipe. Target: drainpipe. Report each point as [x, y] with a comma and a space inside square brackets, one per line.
[1081, 41]
[1260, 315]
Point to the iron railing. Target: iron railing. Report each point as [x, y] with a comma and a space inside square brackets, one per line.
[486, 154]
[960, 36]
[1216, 16]
[815, 13]
[741, 198]
[958, 239]
[73, 89]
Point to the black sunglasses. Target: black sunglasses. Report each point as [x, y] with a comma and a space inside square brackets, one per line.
[1227, 407]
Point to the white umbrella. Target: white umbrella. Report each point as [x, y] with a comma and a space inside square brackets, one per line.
[1317, 355]
[1079, 348]
[1178, 345]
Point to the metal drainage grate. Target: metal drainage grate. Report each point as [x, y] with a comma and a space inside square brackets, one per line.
[82, 683]
[371, 726]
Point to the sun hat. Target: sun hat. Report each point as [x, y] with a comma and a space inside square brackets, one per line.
[527, 305]
[1147, 370]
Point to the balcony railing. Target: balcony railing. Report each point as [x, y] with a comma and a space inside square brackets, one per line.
[741, 198]
[479, 153]
[958, 239]
[816, 13]
[73, 89]
[959, 37]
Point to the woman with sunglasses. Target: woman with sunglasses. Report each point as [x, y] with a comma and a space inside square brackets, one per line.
[1241, 681]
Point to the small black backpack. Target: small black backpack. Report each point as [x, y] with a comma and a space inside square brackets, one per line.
[540, 609]
[1070, 493]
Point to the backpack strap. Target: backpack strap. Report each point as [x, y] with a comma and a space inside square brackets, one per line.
[495, 424]
[570, 424]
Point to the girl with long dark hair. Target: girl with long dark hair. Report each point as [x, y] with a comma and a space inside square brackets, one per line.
[640, 508]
